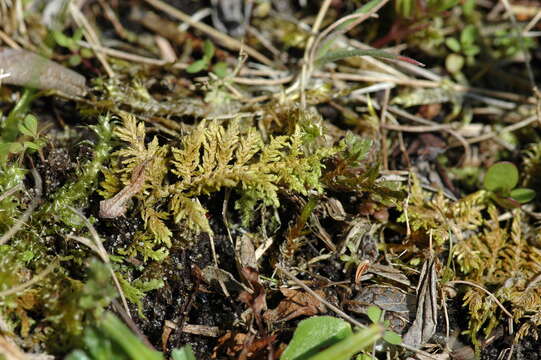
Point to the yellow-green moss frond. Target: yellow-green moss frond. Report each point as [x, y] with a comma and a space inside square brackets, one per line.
[154, 222]
[191, 212]
[209, 158]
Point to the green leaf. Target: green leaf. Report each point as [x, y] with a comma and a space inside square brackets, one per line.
[374, 313]
[25, 131]
[86, 53]
[184, 353]
[471, 50]
[119, 333]
[77, 355]
[403, 7]
[368, 6]
[29, 126]
[468, 7]
[220, 69]
[392, 338]
[197, 66]
[77, 35]
[454, 63]
[61, 39]
[351, 345]
[362, 10]
[15, 147]
[453, 44]
[208, 50]
[468, 35]
[501, 177]
[325, 46]
[31, 145]
[443, 5]
[314, 334]
[31, 122]
[357, 148]
[74, 60]
[522, 195]
[344, 54]
[364, 357]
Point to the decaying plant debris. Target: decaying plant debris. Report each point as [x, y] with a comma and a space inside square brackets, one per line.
[216, 179]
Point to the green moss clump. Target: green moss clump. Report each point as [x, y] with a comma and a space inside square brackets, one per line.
[76, 194]
[210, 158]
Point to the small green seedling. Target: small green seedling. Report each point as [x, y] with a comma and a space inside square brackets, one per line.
[375, 314]
[220, 68]
[500, 181]
[72, 43]
[464, 49]
[29, 128]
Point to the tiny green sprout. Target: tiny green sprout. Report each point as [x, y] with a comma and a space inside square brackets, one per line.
[501, 180]
[28, 128]
[464, 49]
[375, 314]
[72, 43]
[220, 68]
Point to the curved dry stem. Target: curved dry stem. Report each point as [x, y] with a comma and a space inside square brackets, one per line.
[306, 63]
[225, 40]
[102, 253]
[485, 291]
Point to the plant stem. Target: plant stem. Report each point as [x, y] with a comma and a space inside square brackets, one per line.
[16, 116]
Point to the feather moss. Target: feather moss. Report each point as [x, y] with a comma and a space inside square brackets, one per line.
[211, 157]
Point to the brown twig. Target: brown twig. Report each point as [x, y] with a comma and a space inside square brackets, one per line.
[98, 247]
[129, 56]
[91, 35]
[492, 296]
[223, 39]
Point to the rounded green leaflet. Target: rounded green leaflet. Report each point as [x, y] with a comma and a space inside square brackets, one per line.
[501, 177]
[374, 313]
[313, 334]
[453, 44]
[392, 338]
[454, 63]
[220, 69]
[197, 66]
[522, 195]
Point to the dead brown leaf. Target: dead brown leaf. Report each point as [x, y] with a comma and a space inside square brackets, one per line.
[296, 303]
[256, 300]
[426, 318]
